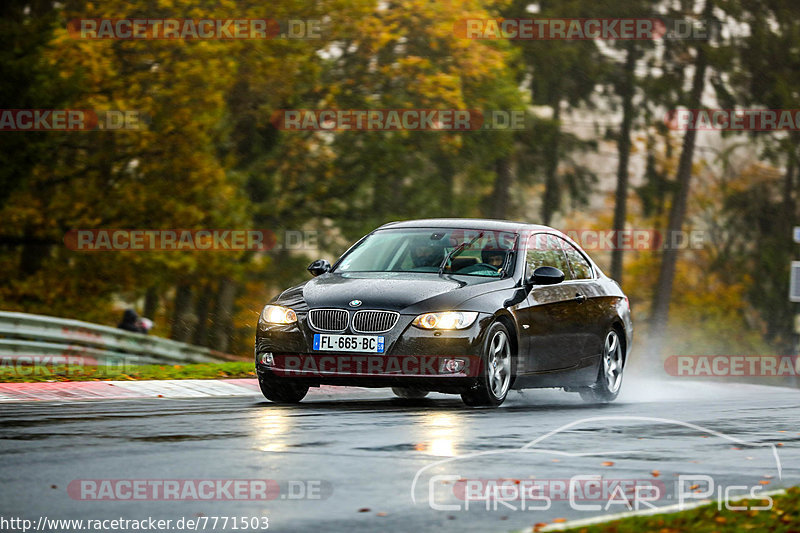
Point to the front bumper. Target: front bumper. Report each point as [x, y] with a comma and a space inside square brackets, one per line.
[442, 360]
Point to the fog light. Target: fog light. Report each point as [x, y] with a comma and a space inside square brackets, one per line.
[452, 366]
[267, 359]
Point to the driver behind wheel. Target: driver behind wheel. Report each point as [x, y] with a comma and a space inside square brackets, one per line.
[495, 258]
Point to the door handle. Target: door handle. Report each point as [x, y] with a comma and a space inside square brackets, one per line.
[580, 298]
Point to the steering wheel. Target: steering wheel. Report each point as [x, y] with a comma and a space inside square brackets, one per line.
[478, 266]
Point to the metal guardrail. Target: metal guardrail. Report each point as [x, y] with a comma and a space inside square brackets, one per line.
[36, 336]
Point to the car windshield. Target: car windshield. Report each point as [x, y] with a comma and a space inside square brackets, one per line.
[485, 253]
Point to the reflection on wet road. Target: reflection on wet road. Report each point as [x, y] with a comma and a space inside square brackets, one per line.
[365, 449]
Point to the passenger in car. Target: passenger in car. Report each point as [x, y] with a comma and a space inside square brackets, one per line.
[427, 255]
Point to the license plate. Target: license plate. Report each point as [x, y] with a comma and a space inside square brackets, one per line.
[348, 343]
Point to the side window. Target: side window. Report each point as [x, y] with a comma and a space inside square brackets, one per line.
[581, 269]
[556, 253]
[537, 253]
[545, 250]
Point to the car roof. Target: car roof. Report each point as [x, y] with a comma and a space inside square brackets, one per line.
[467, 223]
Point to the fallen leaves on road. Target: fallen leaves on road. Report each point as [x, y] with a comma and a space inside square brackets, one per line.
[782, 517]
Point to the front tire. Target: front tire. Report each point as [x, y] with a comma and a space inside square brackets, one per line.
[281, 392]
[609, 378]
[495, 378]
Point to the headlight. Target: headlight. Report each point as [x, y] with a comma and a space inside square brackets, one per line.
[275, 314]
[446, 320]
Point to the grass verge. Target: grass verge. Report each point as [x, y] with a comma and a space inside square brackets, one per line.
[46, 373]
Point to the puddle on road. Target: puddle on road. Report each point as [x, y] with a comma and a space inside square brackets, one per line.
[440, 434]
[183, 438]
[271, 430]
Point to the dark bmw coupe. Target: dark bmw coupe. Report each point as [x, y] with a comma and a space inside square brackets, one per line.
[461, 306]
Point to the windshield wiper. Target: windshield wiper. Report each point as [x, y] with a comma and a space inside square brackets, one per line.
[457, 250]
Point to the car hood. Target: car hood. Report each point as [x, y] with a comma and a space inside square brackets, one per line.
[403, 292]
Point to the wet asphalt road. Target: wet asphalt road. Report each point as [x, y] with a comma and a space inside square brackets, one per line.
[358, 449]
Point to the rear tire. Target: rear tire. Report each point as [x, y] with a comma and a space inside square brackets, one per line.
[495, 378]
[409, 394]
[609, 375]
[281, 392]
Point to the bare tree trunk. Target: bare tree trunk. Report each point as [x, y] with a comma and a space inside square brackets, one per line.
[789, 204]
[655, 177]
[202, 308]
[624, 151]
[151, 302]
[660, 309]
[222, 325]
[33, 254]
[447, 174]
[32, 257]
[501, 195]
[183, 320]
[551, 195]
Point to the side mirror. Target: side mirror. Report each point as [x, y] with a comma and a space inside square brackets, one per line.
[546, 276]
[319, 267]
